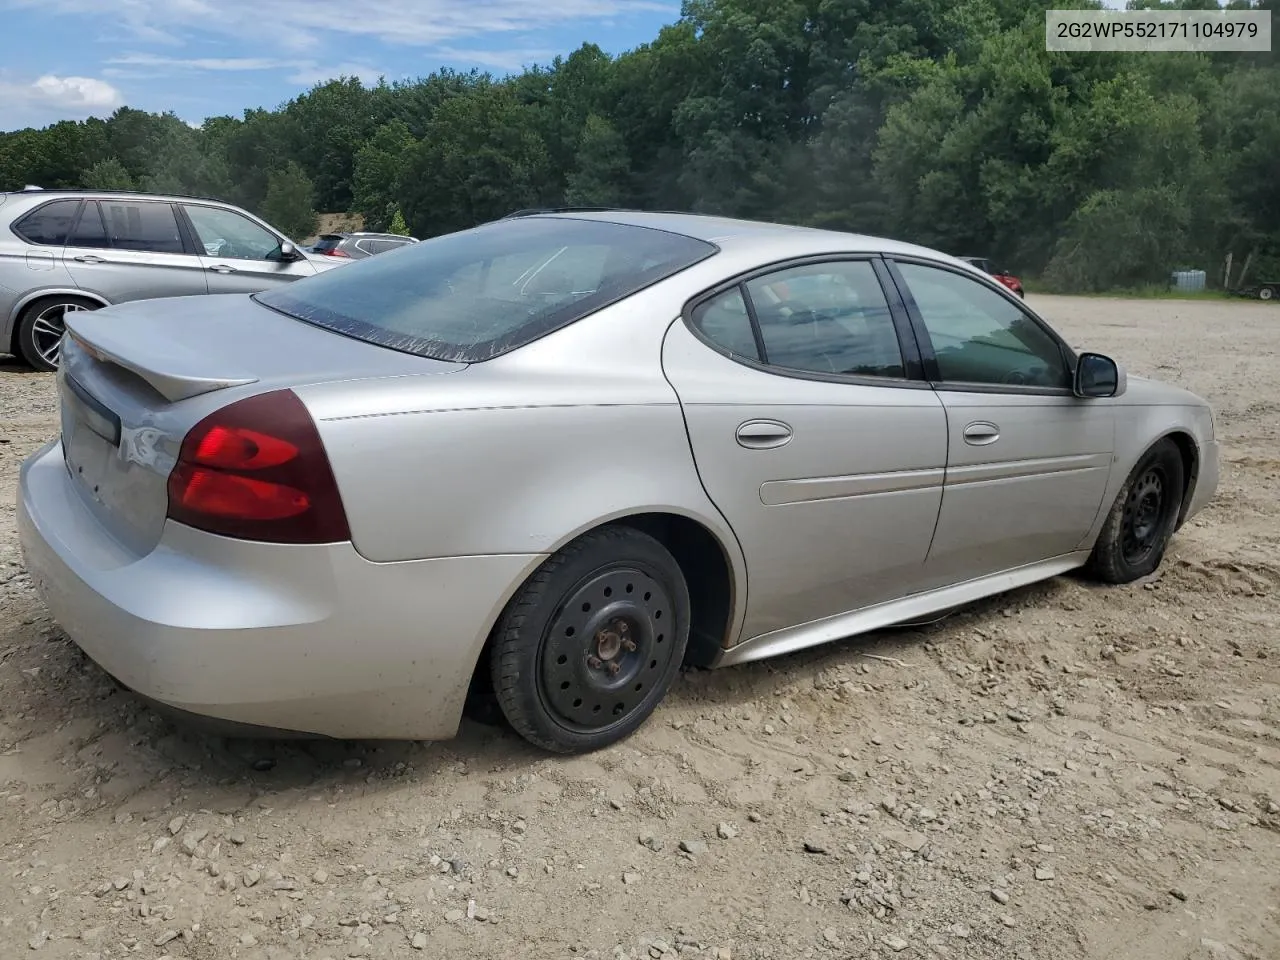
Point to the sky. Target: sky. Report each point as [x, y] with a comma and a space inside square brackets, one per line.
[70, 59]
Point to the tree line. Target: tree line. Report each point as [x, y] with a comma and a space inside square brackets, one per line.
[944, 122]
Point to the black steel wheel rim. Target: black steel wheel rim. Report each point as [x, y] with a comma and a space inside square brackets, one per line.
[609, 643]
[1144, 516]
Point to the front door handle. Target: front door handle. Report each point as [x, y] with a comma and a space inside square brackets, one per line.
[222, 268]
[763, 434]
[980, 433]
[88, 258]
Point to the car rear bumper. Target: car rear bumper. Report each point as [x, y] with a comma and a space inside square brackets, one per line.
[314, 639]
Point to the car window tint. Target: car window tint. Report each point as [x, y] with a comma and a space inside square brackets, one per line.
[827, 318]
[978, 336]
[148, 226]
[226, 234]
[479, 293]
[724, 320]
[49, 224]
[90, 231]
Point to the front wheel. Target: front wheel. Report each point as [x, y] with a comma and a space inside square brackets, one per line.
[1266, 293]
[592, 642]
[41, 326]
[1142, 519]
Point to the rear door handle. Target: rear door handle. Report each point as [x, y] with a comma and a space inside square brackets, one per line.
[222, 268]
[763, 434]
[980, 433]
[88, 258]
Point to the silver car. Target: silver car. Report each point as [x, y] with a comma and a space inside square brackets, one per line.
[569, 453]
[358, 245]
[63, 251]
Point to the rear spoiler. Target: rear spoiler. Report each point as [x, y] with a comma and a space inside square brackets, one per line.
[170, 372]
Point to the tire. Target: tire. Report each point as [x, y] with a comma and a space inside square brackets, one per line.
[559, 639]
[1137, 531]
[40, 329]
[1266, 293]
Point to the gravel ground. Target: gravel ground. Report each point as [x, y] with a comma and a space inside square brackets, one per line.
[1068, 771]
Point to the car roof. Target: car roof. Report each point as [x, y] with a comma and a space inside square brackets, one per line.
[39, 193]
[727, 232]
[366, 234]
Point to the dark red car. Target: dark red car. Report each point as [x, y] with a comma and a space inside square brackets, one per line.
[1004, 276]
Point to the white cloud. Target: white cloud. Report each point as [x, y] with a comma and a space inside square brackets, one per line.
[51, 97]
[299, 24]
[301, 72]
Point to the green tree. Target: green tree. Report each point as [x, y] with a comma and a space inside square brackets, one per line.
[601, 166]
[290, 202]
[108, 174]
[480, 158]
[398, 226]
[378, 171]
[330, 123]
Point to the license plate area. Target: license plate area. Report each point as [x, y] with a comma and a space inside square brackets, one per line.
[91, 413]
[90, 436]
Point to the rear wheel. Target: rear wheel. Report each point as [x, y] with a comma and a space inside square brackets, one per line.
[590, 645]
[1142, 519]
[41, 326]
[1266, 293]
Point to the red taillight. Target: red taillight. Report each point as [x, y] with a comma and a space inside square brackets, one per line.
[257, 470]
[335, 252]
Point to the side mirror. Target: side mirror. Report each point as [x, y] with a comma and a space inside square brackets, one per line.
[1098, 376]
[288, 251]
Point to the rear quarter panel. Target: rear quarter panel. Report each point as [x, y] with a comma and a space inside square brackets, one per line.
[523, 453]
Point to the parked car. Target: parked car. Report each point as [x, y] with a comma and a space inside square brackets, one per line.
[1004, 276]
[570, 453]
[357, 246]
[63, 251]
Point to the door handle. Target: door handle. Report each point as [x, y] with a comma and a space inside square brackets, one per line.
[222, 268]
[980, 433]
[763, 434]
[88, 258]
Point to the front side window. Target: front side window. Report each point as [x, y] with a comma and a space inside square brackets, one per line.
[827, 318]
[981, 337]
[223, 233]
[148, 226]
[479, 293]
[48, 225]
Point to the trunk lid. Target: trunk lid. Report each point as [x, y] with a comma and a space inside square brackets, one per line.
[135, 378]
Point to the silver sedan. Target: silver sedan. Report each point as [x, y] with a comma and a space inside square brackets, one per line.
[564, 454]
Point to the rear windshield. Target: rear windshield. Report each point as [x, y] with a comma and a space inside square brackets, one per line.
[477, 294]
[326, 243]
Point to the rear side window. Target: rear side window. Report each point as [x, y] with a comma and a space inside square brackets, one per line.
[477, 294]
[374, 247]
[48, 225]
[148, 226]
[90, 231]
[325, 244]
[725, 321]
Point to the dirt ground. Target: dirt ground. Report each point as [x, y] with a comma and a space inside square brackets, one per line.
[1069, 771]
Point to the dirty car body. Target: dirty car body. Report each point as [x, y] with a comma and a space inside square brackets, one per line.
[570, 453]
